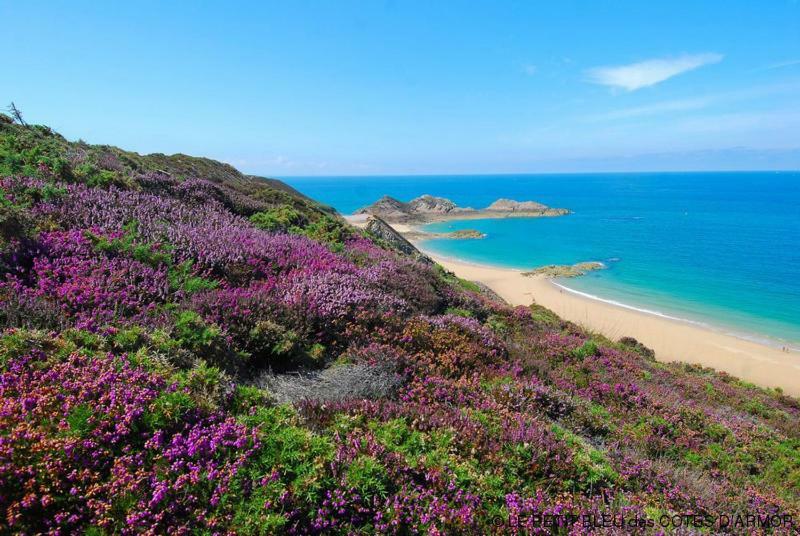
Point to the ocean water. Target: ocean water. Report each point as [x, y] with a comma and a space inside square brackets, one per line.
[721, 249]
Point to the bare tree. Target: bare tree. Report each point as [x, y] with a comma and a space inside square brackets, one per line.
[14, 111]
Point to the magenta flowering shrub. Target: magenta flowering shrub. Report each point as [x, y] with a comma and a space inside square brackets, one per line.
[156, 182]
[237, 308]
[140, 308]
[75, 443]
[450, 345]
[199, 191]
[92, 289]
[207, 234]
[333, 296]
[410, 281]
[191, 473]
[317, 294]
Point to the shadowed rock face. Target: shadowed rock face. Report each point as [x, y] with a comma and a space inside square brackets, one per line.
[428, 204]
[383, 231]
[386, 207]
[430, 208]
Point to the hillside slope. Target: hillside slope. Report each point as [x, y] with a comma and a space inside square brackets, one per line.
[186, 349]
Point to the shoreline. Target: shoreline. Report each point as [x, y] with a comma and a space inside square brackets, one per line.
[557, 281]
[672, 339]
[417, 236]
[764, 340]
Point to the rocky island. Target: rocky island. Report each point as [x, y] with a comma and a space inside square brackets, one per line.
[566, 270]
[428, 208]
[466, 234]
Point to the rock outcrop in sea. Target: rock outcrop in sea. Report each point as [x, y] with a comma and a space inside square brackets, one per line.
[566, 270]
[509, 205]
[466, 234]
[428, 208]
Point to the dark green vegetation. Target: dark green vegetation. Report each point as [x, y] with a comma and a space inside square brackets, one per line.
[158, 311]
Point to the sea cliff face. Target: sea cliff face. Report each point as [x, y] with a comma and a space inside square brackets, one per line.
[186, 349]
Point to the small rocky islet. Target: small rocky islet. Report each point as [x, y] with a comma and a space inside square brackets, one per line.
[566, 270]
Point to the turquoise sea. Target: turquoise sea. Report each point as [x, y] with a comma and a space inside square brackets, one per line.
[721, 249]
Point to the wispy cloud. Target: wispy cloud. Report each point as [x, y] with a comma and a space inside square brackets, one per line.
[529, 69]
[656, 108]
[782, 64]
[650, 72]
[673, 107]
[780, 124]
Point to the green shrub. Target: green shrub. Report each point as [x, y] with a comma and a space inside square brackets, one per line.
[15, 222]
[193, 333]
[497, 324]
[181, 278]
[280, 218]
[167, 410]
[85, 340]
[757, 408]
[545, 316]
[589, 348]
[316, 352]
[298, 457]
[78, 420]
[272, 344]
[592, 468]
[468, 285]
[128, 244]
[128, 339]
[368, 476]
[328, 230]
[29, 152]
[458, 311]
[208, 386]
[246, 397]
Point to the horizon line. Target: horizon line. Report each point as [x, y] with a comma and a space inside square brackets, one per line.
[525, 173]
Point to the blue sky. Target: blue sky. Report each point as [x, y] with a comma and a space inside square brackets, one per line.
[394, 87]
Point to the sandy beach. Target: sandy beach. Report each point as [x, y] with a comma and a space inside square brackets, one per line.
[672, 340]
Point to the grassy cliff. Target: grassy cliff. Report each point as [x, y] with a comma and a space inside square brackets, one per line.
[186, 349]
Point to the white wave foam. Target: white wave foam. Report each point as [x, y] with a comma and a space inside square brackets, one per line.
[768, 341]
